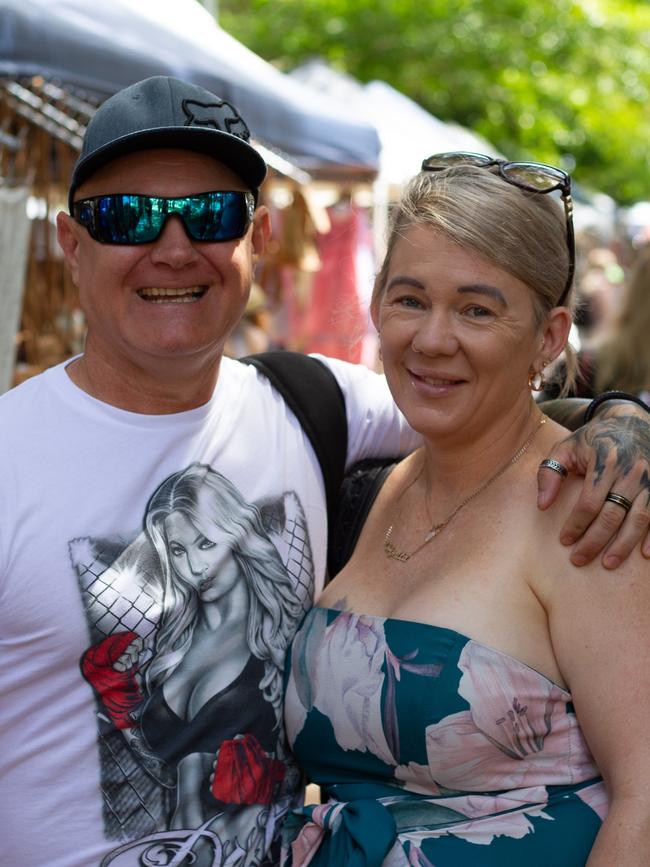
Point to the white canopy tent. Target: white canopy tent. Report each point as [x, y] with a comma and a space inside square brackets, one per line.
[407, 132]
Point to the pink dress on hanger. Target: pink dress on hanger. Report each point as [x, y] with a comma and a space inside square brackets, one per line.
[335, 321]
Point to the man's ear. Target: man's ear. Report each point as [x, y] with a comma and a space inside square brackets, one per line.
[261, 231]
[67, 234]
[554, 335]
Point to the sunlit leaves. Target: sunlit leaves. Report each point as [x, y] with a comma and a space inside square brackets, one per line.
[565, 81]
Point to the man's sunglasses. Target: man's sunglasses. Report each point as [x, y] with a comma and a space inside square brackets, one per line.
[534, 177]
[124, 218]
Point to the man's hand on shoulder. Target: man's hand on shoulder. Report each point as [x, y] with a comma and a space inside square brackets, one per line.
[613, 453]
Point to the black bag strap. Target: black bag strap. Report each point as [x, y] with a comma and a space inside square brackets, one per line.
[358, 493]
[310, 390]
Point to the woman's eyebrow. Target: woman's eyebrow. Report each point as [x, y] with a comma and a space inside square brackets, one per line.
[473, 288]
[484, 289]
[404, 281]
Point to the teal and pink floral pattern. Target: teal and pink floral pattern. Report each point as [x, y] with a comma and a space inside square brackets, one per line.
[432, 750]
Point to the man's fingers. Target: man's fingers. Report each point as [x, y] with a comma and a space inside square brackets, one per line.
[550, 478]
[598, 534]
[633, 530]
[548, 487]
[595, 524]
[614, 529]
[645, 549]
[588, 505]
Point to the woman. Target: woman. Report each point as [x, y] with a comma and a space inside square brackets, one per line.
[460, 688]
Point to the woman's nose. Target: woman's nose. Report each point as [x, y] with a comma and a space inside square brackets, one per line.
[435, 334]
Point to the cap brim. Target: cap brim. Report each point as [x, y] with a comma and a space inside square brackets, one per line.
[228, 149]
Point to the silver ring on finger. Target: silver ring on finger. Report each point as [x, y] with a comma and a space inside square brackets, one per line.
[619, 500]
[556, 466]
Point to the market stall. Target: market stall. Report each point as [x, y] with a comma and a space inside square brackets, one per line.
[100, 47]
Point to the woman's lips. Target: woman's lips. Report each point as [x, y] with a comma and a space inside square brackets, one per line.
[206, 584]
[434, 384]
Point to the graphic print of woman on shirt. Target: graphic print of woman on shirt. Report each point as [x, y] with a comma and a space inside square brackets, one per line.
[207, 695]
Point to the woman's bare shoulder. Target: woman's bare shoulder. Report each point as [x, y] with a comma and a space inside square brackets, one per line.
[556, 577]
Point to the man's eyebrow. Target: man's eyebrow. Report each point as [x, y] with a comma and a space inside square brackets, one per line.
[484, 289]
[404, 281]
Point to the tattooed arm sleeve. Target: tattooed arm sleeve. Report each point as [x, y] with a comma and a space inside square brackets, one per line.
[568, 411]
[573, 412]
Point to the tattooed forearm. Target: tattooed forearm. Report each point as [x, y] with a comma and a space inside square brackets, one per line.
[618, 408]
[568, 411]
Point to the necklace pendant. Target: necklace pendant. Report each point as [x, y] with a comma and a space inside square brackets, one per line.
[393, 554]
[402, 556]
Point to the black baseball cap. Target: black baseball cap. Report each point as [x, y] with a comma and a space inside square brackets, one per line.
[164, 112]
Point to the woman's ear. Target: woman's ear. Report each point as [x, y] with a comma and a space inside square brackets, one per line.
[554, 335]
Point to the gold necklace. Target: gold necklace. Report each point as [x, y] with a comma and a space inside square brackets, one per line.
[394, 553]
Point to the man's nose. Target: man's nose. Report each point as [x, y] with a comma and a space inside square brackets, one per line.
[173, 246]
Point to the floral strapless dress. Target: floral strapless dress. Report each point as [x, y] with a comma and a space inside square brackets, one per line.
[432, 749]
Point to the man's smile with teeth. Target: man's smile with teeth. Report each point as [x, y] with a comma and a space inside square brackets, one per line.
[174, 296]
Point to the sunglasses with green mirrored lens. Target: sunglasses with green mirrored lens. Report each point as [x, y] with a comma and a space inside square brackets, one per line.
[126, 218]
[533, 177]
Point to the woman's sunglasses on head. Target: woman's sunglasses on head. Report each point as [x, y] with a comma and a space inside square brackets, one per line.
[124, 218]
[533, 177]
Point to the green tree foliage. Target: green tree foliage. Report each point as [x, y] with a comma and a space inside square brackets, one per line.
[563, 81]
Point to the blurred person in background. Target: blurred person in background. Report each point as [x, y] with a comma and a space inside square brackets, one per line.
[620, 358]
[623, 359]
[598, 293]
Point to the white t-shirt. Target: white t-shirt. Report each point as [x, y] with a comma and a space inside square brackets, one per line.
[152, 571]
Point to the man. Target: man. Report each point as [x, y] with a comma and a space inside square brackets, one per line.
[164, 516]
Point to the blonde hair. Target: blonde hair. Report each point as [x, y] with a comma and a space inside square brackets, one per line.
[623, 361]
[521, 232]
